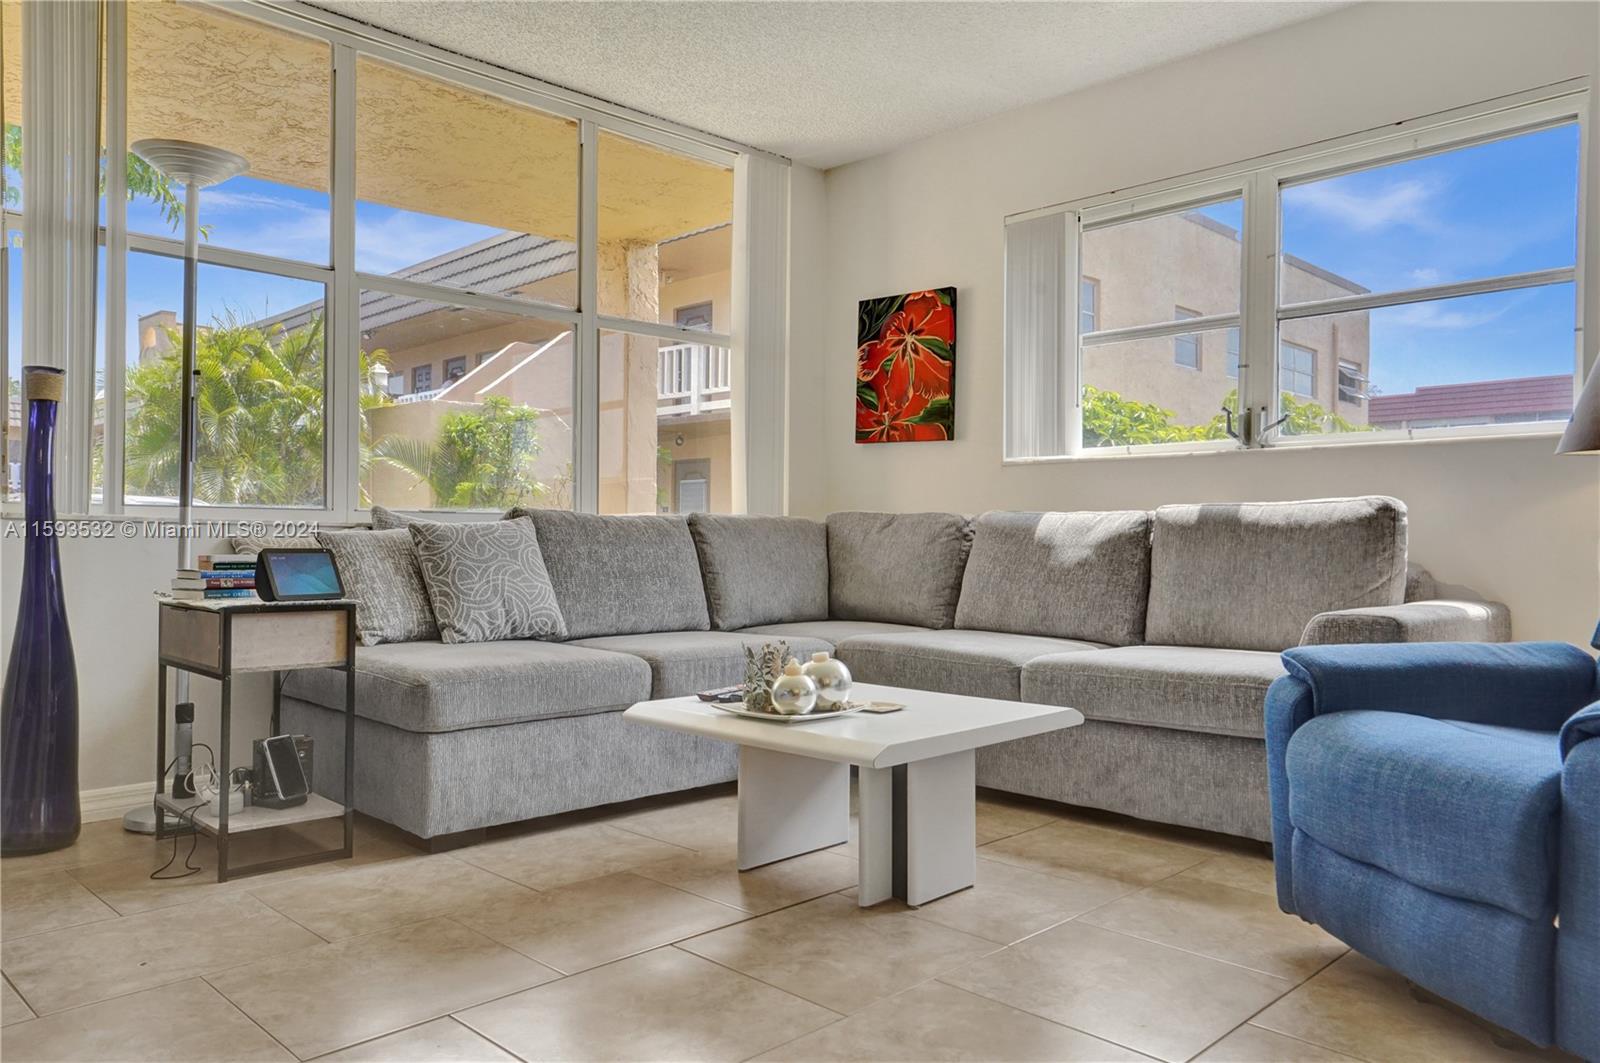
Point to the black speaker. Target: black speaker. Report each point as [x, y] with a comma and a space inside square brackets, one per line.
[281, 771]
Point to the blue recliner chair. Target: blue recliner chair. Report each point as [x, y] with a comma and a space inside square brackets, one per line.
[1436, 806]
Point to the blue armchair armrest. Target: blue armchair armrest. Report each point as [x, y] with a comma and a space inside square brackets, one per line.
[1580, 727]
[1535, 685]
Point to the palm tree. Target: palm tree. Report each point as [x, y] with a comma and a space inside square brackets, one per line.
[259, 415]
[482, 459]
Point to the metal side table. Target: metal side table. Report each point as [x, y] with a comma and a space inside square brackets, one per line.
[222, 639]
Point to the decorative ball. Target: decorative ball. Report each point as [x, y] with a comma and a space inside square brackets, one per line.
[831, 676]
[793, 693]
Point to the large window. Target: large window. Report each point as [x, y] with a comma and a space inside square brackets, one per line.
[395, 304]
[1418, 281]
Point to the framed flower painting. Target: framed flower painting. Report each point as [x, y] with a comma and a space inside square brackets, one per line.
[906, 368]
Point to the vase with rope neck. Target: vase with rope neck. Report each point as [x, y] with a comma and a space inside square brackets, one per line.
[39, 708]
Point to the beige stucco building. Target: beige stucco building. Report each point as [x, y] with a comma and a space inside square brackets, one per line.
[1188, 265]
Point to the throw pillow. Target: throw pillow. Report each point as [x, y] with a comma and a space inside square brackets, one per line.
[386, 519]
[254, 544]
[487, 581]
[379, 570]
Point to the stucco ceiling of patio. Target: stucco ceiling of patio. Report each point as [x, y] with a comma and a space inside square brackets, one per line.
[825, 83]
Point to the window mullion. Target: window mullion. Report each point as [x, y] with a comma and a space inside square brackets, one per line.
[586, 381]
[343, 332]
[116, 235]
[1258, 341]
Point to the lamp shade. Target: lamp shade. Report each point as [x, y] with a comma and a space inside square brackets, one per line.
[1583, 431]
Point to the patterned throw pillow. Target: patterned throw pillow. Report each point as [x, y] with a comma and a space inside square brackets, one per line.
[487, 581]
[380, 572]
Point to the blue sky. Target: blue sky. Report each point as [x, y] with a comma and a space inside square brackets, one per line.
[1509, 206]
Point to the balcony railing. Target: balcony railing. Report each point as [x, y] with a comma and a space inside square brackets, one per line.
[693, 378]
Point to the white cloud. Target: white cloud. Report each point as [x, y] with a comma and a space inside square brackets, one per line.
[1442, 316]
[397, 239]
[1424, 277]
[1399, 203]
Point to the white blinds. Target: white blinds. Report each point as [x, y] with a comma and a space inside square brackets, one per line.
[60, 170]
[1041, 412]
[760, 332]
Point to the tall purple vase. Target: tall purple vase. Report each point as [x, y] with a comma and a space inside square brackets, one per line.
[39, 712]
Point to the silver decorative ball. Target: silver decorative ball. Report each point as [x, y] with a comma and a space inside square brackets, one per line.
[831, 676]
[793, 695]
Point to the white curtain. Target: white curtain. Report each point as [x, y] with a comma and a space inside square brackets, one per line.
[60, 168]
[1041, 409]
[760, 331]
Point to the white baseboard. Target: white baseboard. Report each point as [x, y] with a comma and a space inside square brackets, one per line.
[113, 801]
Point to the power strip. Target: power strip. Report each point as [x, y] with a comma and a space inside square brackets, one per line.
[235, 805]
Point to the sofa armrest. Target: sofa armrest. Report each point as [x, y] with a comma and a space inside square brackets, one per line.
[1437, 620]
[1535, 685]
[1578, 954]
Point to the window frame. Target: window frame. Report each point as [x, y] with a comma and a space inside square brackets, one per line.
[1357, 395]
[1191, 339]
[347, 41]
[1259, 182]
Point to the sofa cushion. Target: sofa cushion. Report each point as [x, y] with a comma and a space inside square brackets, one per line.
[487, 581]
[379, 570]
[761, 570]
[1066, 575]
[1187, 688]
[1464, 809]
[832, 632]
[983, 664]
[622, 575]
[386, 519]
[430, 686]
[901, 568]
[1250, 576]
[687, 662]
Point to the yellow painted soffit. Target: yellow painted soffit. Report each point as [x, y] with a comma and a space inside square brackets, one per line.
[421, 145]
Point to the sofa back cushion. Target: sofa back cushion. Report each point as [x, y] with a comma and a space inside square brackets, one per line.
[1250, 576]
[1066, 575]
[762, 570]
[901, 568]
[622, 575]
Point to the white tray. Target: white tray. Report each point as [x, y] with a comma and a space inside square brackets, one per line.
[738, 709]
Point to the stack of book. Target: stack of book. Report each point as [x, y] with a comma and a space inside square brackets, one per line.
[217, 576]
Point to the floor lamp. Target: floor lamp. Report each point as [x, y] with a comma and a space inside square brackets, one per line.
[1583, 435]
[195, 166]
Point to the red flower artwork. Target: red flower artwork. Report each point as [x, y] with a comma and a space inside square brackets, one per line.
[905, 367]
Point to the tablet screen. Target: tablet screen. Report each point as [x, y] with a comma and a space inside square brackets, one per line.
[303, 574]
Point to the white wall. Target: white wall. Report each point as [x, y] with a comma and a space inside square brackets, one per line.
[111, 609]
[1505, 518]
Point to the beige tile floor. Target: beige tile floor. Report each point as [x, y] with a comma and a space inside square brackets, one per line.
[632, 936]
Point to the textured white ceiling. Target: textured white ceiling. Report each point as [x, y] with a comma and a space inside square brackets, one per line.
[824, 83]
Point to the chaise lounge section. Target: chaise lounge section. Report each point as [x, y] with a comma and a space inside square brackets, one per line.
[1163, 628]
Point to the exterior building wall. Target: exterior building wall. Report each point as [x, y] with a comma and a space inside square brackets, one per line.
[1144, 272]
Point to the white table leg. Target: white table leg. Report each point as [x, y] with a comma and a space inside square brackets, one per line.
[789, 805]
[941, 829]
[875, 835]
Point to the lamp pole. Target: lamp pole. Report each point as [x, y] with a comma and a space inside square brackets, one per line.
[195, 166]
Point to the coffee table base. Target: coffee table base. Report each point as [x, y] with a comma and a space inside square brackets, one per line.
[918, 821]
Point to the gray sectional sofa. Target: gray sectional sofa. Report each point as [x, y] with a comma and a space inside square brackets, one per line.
[1163, 628]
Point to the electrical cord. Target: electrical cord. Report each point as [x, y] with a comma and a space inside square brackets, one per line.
[212, 788]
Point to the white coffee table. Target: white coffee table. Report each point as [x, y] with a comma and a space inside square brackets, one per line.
[916, 787]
